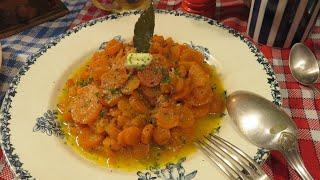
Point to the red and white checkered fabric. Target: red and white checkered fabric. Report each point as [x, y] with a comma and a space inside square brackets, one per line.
[300, 102]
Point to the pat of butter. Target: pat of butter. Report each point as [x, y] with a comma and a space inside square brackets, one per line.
[136, 60]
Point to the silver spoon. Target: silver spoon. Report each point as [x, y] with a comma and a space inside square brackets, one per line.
[266, 126]
[304, 65]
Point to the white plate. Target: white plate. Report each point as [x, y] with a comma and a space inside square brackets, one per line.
[33, 154]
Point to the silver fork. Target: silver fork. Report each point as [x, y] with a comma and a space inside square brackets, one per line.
[231, 160]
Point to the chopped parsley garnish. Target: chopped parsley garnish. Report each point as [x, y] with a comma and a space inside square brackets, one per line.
[222, 114]
[141, 68]
[176, 71]
[102, 113]
[216, 130]
[166, 79]
[155, 165]
[130, 58]
[156, 70]
[152, 121]
[214, 87]
[85, 82]
[115, 91]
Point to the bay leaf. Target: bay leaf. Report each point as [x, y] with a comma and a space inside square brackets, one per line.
[143, 30]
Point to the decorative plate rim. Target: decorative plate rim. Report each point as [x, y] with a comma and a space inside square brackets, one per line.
[13, 159]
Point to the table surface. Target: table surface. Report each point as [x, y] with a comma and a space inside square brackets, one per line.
[300, 102]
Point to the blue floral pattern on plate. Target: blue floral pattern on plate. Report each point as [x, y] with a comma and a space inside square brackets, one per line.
[5, 116]
[170, 172]
[49, 124]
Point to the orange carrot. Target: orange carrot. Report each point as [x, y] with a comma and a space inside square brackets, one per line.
[161, 136]
[167, 117]
[146, 134]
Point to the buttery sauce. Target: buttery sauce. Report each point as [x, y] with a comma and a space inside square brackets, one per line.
[159, 156]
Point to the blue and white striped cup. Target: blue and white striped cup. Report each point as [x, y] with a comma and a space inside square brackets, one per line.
[281, 23]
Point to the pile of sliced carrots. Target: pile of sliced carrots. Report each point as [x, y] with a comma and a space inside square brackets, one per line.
[118, 111]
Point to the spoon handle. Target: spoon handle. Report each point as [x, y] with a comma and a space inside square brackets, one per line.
[294, 159]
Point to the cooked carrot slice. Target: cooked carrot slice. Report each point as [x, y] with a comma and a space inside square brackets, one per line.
[138, 121]
[131, 136]
[146, 134]
[165, 102]
[181, 136]
[70, 83]
[177, 139]
[201, 111]
[140, 150]
[83, 75]
[186, 117]
[161, 61]
[137, 103]
[97, 67]
[122, 120]
[126, 108]
[182, 70]
[85, 107]
[88, 139]
[179, 84]
[186, 90]
[200, 96]
[64, 109]
[207, 67]
[114, 78]
[99, 126]
[165, 51]
[175, 53]
[167, 117]
[165, 88]
[151, 94]
[67, 116]
[97, 56]
[111, 97]
[72, 91]
[156, 48]
[217, 104]
[113, 47]
[112, 131]
[120, 138]
[112, 144]
[157, 38]
[199, 76]
[161, 136]
[191, 55]
[151, 75]
[114, 112]
[132, 84]
[187, 64]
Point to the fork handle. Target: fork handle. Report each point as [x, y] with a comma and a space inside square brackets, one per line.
[294, 159]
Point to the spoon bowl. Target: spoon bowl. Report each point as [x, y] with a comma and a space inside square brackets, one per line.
[303, 65]
[259, 119]
[266, 125]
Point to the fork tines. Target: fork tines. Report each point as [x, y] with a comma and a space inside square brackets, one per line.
[231, 160]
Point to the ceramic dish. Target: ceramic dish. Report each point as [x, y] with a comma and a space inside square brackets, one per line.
[33, 146]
